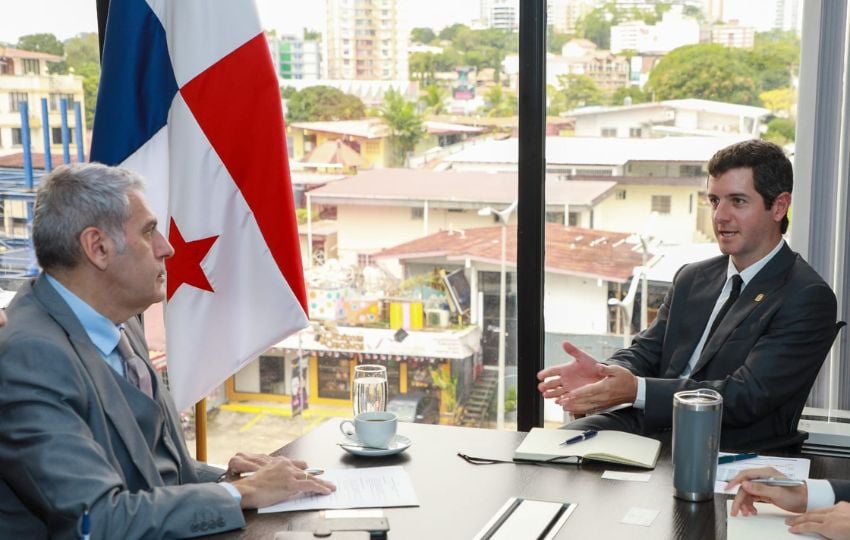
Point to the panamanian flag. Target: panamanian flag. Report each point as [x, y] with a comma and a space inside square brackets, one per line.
[189, 99]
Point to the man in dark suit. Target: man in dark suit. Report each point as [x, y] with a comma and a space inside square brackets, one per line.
[754, 324]
[86, 423]
[815, 500]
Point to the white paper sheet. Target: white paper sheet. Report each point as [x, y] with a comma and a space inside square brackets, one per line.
[374, 487]
[626, 476]
[768, 524]
[797, 468]
[640, 516]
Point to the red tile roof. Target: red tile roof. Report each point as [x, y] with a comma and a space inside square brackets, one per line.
[17, 160]
[569, 250]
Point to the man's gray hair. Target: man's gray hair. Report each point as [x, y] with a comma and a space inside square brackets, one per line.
[73, 198]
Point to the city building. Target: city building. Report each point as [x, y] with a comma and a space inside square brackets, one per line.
[732, 34]
[295, 58]
[691, 117]
[418, 202]
[24, 77]
[365, 39]
[578, 57]
[660, 182]
[672, 31]
[502, 14]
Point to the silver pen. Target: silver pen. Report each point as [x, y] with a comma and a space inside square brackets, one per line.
[778, 482]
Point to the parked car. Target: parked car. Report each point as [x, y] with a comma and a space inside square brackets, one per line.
[415, 407]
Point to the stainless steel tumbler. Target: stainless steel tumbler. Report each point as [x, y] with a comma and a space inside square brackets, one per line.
[697, 415]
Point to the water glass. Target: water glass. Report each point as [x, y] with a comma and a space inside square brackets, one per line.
[369, 392]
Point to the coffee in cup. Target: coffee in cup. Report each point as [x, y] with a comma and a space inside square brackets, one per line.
[374, 429]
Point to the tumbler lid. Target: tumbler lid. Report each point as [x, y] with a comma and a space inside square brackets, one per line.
[698, 400]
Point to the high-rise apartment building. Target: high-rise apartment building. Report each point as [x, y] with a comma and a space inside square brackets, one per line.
[365, 39]
[296, 59]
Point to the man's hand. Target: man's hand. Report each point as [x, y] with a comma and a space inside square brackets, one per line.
[243, 463]
[566, 377]
[833, 522]
[617, 387]
[277, 480]
[792, 499]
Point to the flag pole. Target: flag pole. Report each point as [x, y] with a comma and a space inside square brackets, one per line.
[201, 430]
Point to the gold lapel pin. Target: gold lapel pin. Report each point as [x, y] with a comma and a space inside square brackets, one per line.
[759, 297]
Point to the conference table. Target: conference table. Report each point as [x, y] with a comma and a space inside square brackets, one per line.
[457, 498]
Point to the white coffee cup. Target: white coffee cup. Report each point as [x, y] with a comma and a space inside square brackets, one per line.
[374, 429]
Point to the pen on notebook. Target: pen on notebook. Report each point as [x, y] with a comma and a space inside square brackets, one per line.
[583, 437]
[735, 457]
[85, 528]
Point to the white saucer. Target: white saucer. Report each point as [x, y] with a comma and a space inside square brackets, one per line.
[399, 444]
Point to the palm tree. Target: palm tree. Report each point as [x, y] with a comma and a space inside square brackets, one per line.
[434, 99]
[406, 128]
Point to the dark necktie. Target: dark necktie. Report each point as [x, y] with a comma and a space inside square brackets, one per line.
[736, 292]
[134, 367]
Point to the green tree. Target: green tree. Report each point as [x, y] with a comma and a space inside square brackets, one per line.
[450, 32]
[82, 57]
[422, 35]
[434, 99]
[705, 71]
[406, 126]
[44, 43]
[596, 24]
[574, 91]
[422, 67]
[780, 131]
[323, 103]
[500, 103]
[312, 35]
[555, 41]
[634, 93]
[775, 59]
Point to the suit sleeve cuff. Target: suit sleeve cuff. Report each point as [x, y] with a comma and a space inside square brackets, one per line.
[232, 490]
[821, 495]
[640, 398]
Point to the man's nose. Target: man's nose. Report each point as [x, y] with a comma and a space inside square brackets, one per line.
[164, 247]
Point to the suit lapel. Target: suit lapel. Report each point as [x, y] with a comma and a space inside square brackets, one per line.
[113, 403]
[766, 283]
[701, 299]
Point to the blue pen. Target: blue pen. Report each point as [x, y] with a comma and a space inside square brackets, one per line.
[86, 526]
[735, 457]
[589, 434]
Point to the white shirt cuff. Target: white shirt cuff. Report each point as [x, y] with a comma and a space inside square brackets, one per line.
[640, 398]
[232, 490]
[821, 495]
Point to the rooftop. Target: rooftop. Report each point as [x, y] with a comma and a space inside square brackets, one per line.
[574, 251]
[583, 151]
[453, 189]
[9, 52]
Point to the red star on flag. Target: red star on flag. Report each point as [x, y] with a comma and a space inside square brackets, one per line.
[185, 265]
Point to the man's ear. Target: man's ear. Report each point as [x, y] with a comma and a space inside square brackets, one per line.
[97, 246]
[780, 207]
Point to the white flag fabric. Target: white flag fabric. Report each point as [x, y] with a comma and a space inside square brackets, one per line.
[189, 98]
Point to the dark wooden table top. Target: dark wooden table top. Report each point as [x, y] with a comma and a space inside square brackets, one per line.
[457, 498]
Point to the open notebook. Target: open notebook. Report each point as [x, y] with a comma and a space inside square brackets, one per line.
[613, 446]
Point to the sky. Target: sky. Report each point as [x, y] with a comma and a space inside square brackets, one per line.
[67, 18]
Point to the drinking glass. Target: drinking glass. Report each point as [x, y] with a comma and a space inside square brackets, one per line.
[370, 388]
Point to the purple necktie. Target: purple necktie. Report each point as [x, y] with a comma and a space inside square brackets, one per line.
[134, 367]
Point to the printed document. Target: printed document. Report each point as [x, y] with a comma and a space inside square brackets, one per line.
[797, 468]
[374, 487]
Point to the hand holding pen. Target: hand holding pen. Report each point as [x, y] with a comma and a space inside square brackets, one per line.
[761, 485]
